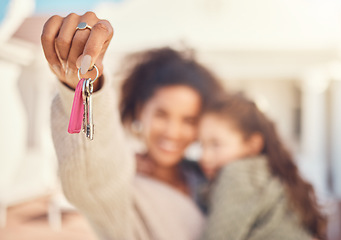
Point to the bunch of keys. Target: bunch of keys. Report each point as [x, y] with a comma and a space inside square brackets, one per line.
[81, 113]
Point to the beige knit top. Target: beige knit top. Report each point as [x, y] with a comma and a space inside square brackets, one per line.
[248, 202]
[99, 178]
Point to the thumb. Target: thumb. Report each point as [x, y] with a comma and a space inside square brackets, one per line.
[84, 62]
[97, 42]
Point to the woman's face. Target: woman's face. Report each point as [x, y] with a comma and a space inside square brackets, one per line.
[169, 119]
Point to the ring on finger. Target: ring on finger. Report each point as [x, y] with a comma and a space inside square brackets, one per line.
[83, 26]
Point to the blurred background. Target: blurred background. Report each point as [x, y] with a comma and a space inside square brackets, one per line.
[285, 54]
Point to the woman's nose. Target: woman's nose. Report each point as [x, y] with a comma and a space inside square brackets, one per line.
[173, 130]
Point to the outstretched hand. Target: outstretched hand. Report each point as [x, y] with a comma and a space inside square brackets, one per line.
[67, 49]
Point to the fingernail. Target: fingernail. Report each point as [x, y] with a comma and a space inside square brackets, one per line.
[56, 70]
[85, 64]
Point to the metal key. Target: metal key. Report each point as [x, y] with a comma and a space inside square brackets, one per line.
[85, 113]
[87, 90]
[89, 115]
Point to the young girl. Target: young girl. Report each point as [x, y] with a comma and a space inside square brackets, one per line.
[258, 192]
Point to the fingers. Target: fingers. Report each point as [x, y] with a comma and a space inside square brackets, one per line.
[63, 45]
[144, 165]
[65, 36]
[50, 32]
[79, 40]
[96, 44]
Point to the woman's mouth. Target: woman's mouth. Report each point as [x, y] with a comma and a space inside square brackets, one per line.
[169, 146]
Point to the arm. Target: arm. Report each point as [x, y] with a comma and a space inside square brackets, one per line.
[96, 175]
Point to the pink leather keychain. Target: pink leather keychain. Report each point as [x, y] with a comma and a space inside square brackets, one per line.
[77, 111]
[81, 112]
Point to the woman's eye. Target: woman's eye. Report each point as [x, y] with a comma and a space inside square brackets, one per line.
[190, 121]
[160, 114]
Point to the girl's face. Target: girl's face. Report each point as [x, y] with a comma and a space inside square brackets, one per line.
[169, 119]
[221, 143]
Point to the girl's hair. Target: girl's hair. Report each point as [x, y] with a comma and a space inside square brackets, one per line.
[249, 120]
[153, 69]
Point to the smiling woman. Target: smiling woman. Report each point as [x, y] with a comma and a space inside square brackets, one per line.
[164, 90]
[170, 125]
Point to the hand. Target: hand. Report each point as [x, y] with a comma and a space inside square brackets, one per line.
[144, 165]
[66, 49]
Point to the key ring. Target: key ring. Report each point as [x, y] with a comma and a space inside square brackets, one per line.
[94, 67]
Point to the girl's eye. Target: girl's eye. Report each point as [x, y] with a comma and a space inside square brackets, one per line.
[215, 144]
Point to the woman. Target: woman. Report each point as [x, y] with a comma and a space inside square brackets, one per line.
[163, 95]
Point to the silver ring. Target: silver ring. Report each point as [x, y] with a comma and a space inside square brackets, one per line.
[83, 26]
[94, 67]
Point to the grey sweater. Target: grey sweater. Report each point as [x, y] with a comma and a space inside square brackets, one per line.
[249, 203]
